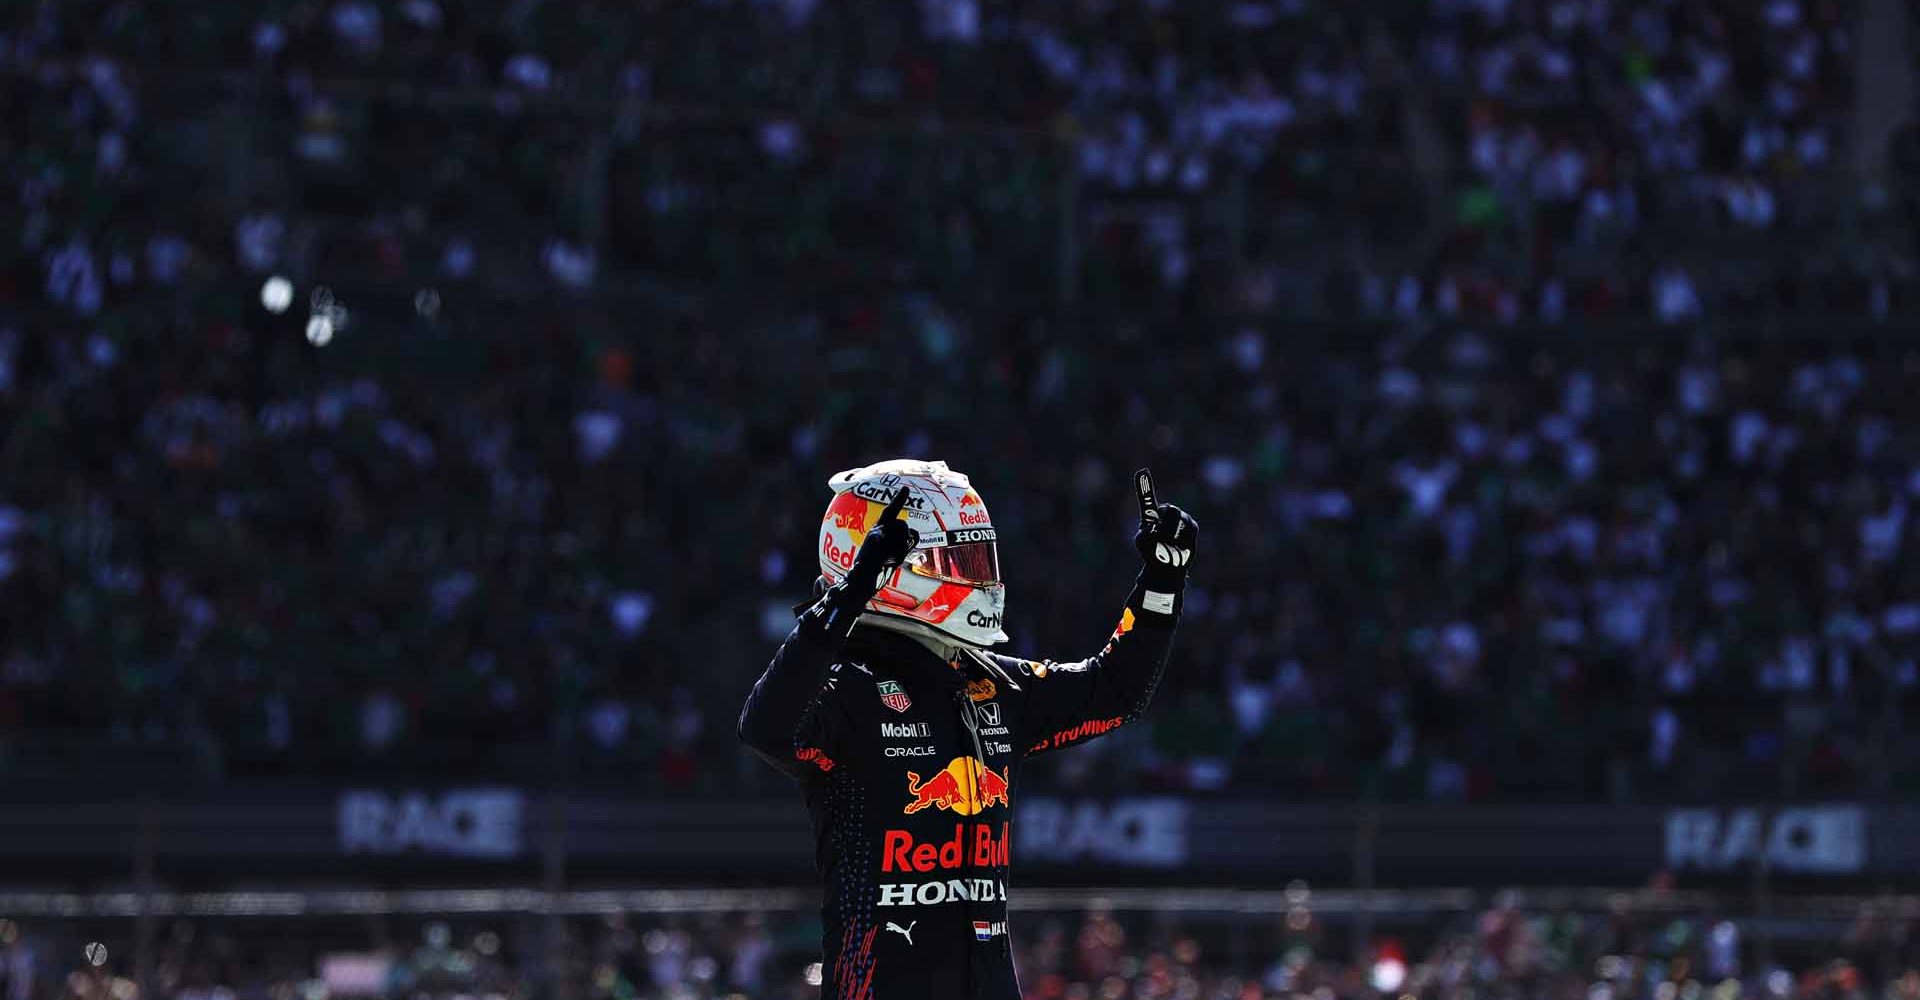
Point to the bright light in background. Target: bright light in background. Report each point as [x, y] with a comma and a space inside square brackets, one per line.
[1389, 971]
[96, 953]
[276, 294]
[329, 316]
[1388, 974]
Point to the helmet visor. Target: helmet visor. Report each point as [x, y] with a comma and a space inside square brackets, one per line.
[972, 562]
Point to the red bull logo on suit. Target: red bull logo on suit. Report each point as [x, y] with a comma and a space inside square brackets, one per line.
[965, 786]
[900, 852]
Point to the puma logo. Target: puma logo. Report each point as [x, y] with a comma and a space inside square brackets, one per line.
[905, 932]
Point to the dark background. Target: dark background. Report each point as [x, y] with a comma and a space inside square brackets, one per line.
[409, 398]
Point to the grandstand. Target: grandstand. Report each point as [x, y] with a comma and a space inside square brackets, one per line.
[373, 375]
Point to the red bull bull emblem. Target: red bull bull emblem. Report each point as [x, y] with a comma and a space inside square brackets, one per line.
[892, 697]
[980, 689]
[969, 499]
[850, 513]
[965, 786]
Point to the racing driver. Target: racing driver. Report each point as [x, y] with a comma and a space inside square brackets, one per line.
[907, 734]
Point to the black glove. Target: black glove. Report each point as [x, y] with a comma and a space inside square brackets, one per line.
[1165, 543]
[887, 543]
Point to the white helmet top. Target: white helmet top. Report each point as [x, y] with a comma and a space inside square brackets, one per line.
[950, 583]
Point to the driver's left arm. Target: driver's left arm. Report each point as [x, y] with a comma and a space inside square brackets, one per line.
[1070, 702]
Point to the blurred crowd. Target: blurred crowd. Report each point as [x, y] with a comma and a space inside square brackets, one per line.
[1541, 160]
[1601, 134]
[1440, 565]
[1505, 951]
[580, 304]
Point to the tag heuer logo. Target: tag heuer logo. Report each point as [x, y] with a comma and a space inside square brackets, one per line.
[892, 697]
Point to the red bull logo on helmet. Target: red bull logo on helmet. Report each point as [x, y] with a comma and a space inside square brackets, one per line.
[965, 786]
[850, 513]
[836, 555]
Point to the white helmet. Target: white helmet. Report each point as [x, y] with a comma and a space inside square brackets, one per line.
[951, 581]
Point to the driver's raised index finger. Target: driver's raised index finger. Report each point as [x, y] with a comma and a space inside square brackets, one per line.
[1149, 509]
[892, 511]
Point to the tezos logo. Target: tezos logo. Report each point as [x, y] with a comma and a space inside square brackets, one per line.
[980, 619]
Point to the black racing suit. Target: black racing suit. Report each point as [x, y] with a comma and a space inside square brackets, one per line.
[912, 835]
